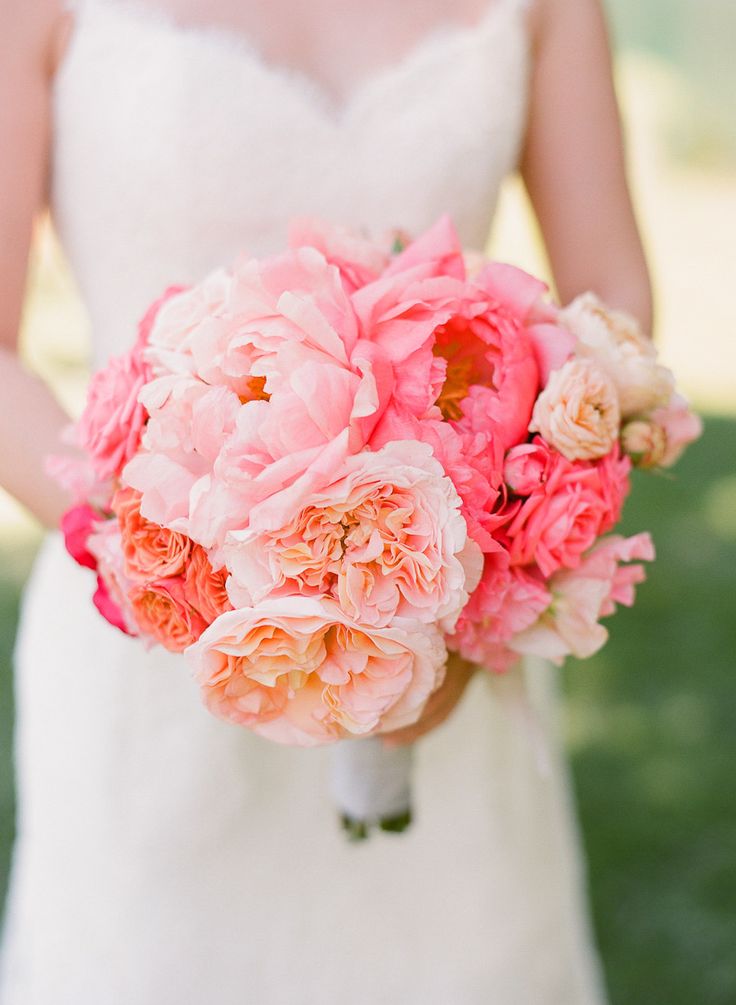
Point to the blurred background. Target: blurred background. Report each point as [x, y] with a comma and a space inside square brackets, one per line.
[650, 722]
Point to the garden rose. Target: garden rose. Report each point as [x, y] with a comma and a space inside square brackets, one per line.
[384, 537]
[204, 586]
[298, 670]
[162, 612]
[577, 412]
[614, 340]
[150, 551]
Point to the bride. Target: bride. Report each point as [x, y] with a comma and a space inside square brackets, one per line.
[164, 856]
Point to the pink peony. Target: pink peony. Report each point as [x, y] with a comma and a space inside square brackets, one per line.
[188, 426]
[557, 522]
[358, 259]
[163, 613]
[570, 626]
[298, 670]
[577, 413]
[383, 536]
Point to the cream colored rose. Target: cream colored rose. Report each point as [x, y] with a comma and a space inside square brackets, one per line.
[645, 442]
[578, 411]
[614, 340]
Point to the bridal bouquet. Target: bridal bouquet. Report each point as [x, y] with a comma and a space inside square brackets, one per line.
[317, 474]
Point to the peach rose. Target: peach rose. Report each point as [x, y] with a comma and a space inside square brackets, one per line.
[384, 537]
[162, 612]
[204, 586]
[615, 341]
[577, 412]
[150, 551]
[297, 670]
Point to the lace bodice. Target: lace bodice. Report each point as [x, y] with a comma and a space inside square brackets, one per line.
[178, 147]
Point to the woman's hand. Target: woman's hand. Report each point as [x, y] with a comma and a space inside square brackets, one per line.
[440, 704]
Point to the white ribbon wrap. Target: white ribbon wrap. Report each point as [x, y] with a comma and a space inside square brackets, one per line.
[370, 782]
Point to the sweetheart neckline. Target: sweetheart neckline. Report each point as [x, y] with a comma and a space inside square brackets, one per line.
[335, 109]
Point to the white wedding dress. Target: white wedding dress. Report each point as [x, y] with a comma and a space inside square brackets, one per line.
[165, 857]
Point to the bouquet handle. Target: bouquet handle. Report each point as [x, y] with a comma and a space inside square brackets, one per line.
[371, 785]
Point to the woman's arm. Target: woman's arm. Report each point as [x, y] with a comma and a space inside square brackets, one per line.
[31, 42]
[573, 168]
[573, 160]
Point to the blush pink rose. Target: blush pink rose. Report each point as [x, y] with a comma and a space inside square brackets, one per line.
[384, 537]
[149, 550]
[298, 671]
[645, 442]
[162, 613]
[561, 519]
[570, 625]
